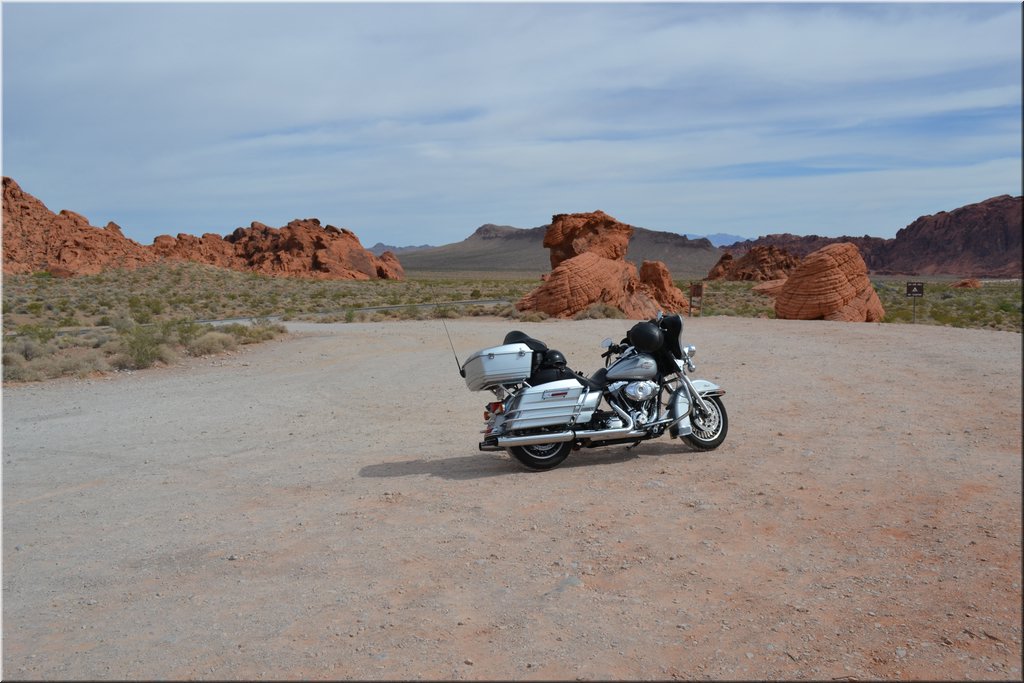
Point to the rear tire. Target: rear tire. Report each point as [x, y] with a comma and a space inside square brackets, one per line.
[542, 456]
[709, 430]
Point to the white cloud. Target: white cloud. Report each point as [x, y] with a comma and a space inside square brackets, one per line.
[444, 116]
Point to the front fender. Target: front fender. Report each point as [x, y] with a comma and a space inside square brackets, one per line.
[679, 405]
[706, 388]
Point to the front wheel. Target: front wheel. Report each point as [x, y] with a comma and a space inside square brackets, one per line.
[709, 429]
[542, 456]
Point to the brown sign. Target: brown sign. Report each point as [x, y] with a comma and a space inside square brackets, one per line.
[915, 289]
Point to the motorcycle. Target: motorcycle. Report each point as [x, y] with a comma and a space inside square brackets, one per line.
[544, 410]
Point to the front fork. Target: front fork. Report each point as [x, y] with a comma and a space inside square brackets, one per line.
[689, 395]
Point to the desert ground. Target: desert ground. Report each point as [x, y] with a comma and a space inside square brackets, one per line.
[316, 508]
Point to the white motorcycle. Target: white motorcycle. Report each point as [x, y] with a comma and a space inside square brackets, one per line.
[544, 410]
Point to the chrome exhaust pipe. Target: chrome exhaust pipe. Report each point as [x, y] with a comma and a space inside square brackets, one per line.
[536, 439]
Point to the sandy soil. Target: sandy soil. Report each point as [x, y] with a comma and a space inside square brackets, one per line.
[317, 508]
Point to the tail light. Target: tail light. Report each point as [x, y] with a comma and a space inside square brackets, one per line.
[493, 408]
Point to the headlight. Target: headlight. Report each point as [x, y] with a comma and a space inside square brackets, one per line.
[690, 351]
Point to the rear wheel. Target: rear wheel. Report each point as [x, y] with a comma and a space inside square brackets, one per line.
[709, 429]
[544, 456]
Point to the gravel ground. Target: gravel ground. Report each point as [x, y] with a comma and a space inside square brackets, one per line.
[317, 508]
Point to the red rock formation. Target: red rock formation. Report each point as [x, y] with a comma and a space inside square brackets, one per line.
[977, 240]
[656, 282]
[759, 264]
[64, 244]
[871, 248]
[36, 239]
[570, 235]
[969, 283]
[830, 284]
[588, 266]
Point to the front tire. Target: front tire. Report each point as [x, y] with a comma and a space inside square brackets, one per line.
[709, 430]
[542, 456]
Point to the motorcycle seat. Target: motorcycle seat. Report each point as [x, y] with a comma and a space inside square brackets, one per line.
[517, 337]
[597, 382]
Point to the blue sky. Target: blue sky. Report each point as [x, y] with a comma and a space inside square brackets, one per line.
[416, 123]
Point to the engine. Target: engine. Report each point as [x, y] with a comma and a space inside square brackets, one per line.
[640, 391]
[639, 399]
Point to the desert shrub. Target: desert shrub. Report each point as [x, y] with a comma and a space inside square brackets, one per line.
[410, 313]
[14, 366]
[444, 312]
[533, 316]
[210, 343]
[141, 345]
[41, 333]
[597, 311]
[29, 347]
[181, 332]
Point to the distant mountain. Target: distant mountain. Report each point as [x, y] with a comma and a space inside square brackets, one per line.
[976, 240]
[719, 239]
[380, 248]
[507, 249]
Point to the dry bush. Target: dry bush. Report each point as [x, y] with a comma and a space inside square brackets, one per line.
[211, 343]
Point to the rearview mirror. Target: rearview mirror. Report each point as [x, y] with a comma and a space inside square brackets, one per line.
[606, 343]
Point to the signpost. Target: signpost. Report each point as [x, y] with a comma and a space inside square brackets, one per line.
[915, 290]
[696, 292]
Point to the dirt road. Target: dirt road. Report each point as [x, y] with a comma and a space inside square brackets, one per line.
[317, 508]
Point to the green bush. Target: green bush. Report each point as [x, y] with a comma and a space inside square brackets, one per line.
[41, 333]
[141, 344]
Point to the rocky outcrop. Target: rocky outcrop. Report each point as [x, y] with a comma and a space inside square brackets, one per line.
[36, 239]
[978, 240]
[800, 246]
[303, 248]
[65, 244]
[570, 235]
[830, 284]
[969, 283]
[588, 252]
[760, 264]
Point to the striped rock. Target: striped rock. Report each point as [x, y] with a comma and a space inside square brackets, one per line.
[830, 284]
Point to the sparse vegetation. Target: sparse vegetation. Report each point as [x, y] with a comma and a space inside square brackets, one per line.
[135, 319]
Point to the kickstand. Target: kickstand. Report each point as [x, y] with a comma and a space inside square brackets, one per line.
[633, 445]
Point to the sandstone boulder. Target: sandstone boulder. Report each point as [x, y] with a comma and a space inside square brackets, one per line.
[588, 254]
[570, 235]
[830, 284]
[969, 283]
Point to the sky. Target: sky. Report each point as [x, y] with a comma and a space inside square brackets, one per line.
[415, 123]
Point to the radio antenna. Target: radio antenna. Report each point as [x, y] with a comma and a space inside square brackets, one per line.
[450, 343]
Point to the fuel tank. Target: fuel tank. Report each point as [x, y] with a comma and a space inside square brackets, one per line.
[639, 366]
